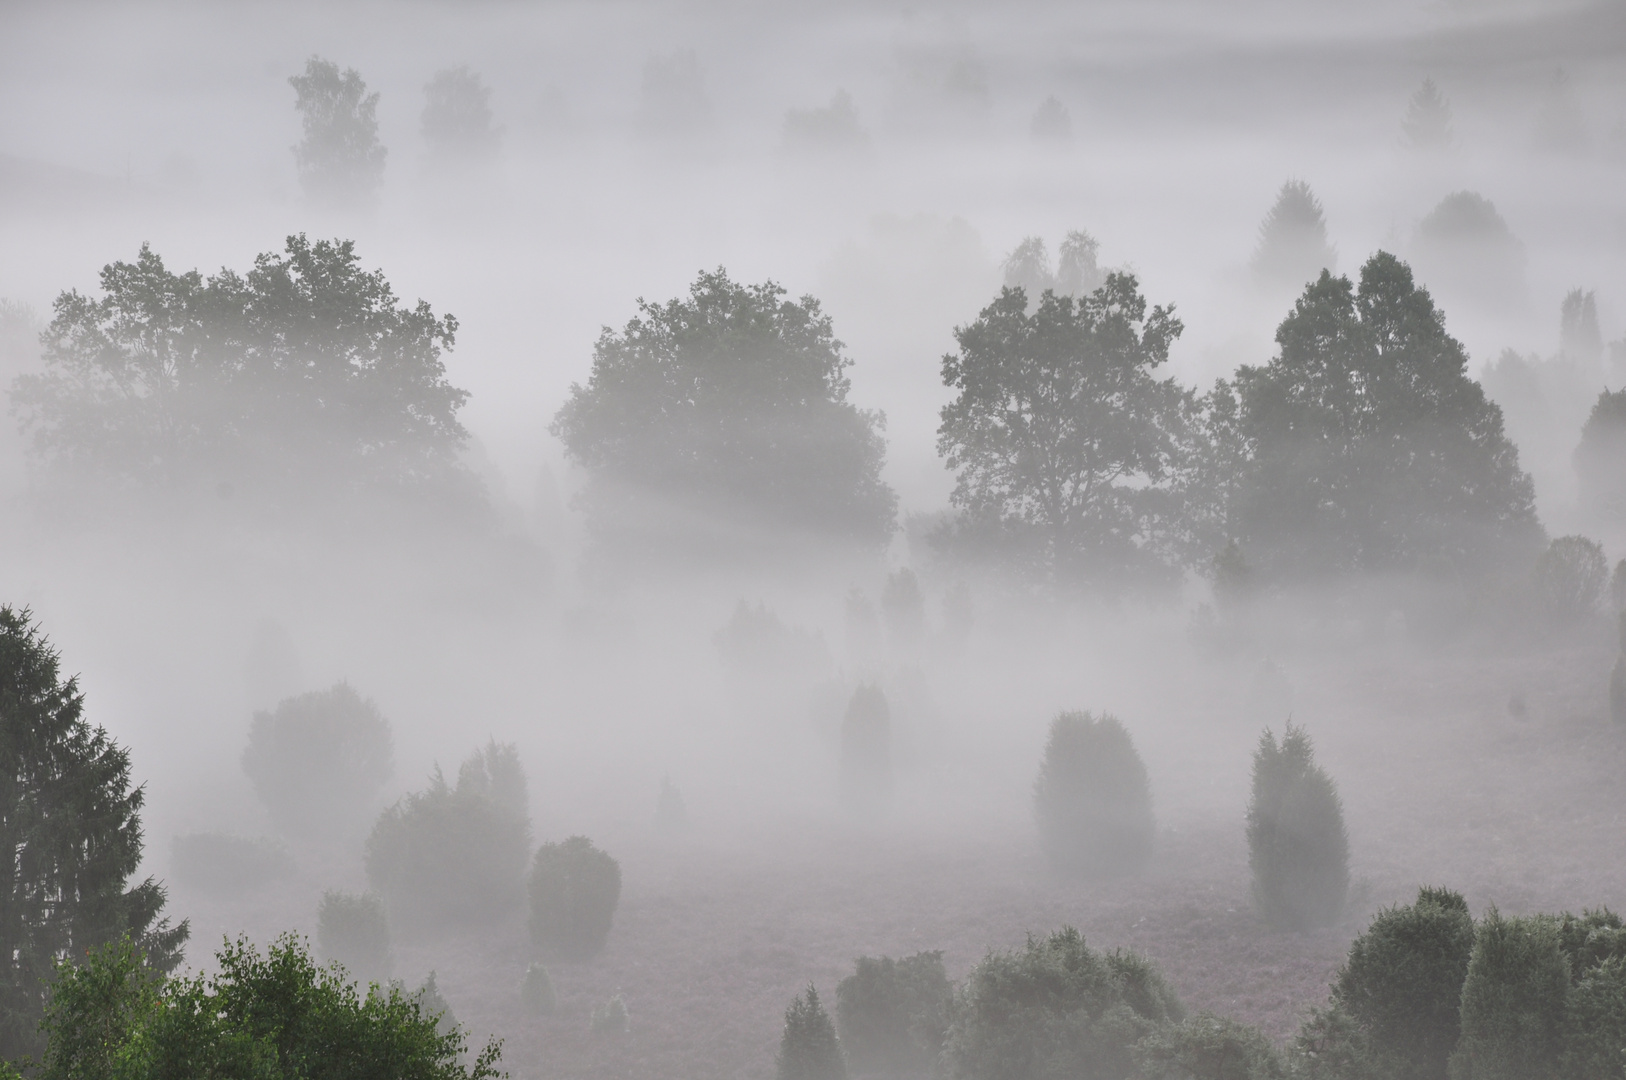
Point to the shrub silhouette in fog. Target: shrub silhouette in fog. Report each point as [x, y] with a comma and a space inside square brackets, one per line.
[536, 991]
[449, 855]
[1403, 983]
[808, 1049]
[1464, 246]
[1372, 449]
[1293, 247]
[866, 750]
[722, 416]
[1332, 1045]
[1427, 125]
[1055, 1008]
[341, 161]
[1569, 578]
[1209, 1047]
[218, 862]
[318, 760]
[1078, 270]
[1512, 1001]
[1051, 121]
[355, 931]
[756, 643]
[1578, 335]
[1298, 850]
[674, 94]
[891, 1015]
[71, 823]
[671, 813]
[833, 128]
[456, 119]
[304, 374]
[1092, 799]
[1617, 677]
[611, 1018]
[1600, 459]
[574, 891]
[903, 608]
[1054, 412]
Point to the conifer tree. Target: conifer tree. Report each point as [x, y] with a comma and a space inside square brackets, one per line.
[1092, 798]
[808, 1050]
[1298, 849]
[1428, 118]
[1293, 245]
[71, 825]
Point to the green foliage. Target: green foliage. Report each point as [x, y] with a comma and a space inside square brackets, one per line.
[318, 760]
[1402, 983]
[1208, 1048]
[1371, 448]
[304, 371]
[220, 863]
[1055, 1008]
[729, 406]
[456, 119]
[449, 855]
[341, 161]
[71, 825]
[574, 891]
[1593, 1039]
[1332, 1045]
[355, 931]
[1590, 938]
[1092, 799]
[808, 1050]
[1569, 578]
[866, 750]
[1512, 1001]
[892, 1014]
[1293, 247]
[1297, 847]
[271, 1017]
[536, 991]
[1063, 442]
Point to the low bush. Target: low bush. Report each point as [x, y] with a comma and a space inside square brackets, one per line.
[1332, 1045]
[1593, 1039]
[574, 890]
[866, 750]
[891, 1015]
[1402, 983]
[1092, 799]
[220, 863]
[1208, 1048]
[671, 814]
[536, 991]
[1298, 849]
[450, 856]
[611, 1018]
[1512, 1001]
[1055, 1008]
[355, 932]
[317, 761]
[808, 1049]
[1569, 578]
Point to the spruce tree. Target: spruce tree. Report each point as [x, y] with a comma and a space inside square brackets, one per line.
[808, 1050]
[1513, 1001]
[1298, 849]
[71, 825]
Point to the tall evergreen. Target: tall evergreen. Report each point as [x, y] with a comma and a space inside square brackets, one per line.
[1298, 849]
[808, 1050]
[71, 825]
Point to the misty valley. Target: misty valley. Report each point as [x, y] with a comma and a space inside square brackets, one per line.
[817, 541]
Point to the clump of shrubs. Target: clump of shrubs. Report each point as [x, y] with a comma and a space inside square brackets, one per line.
[1208, 1048]
[221, 863]
[1298, 849]
[866, 750]
[574, 890]
[1092, 799]
[450, 856]
[891, 1014]
[318, 760]
[808, 1049]
[536, 991]
[354, 931]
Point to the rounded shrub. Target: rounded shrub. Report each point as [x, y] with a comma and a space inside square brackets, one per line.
[866, 749]
[1403, 983]
[574, 890]
[355, 932]
[1209, 1048]
[1092, 799]
[536, 991]
[1332, 1045]
[1298, 849]
[318, 760]
[611, 1018]
[808, 1049]
[1512, 1001]
[1592, 1044]
[1569, 578]
[1055, 1008]
[891, 1014]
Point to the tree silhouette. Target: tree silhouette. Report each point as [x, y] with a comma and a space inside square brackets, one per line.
[341, 161]
[456, 120]
[1427, 125]
[1293, 245]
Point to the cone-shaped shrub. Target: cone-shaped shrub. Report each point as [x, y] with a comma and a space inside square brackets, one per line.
[536, 991]
[1209, 1048]
[808, 1050]
[353, 931]
[1403, 983]
[1297, 847]
[891, 1014]
[866, 749]
[1092, 799]
[1055, 1008]
[1617, 678]
[1593, 1044]
[575, 888]
[1512, 1001]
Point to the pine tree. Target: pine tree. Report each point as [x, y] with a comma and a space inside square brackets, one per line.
[1298, 849]
[71, 826]
[1293, 245]
[1428, 118]
[1512, 1001]
[808, 1050]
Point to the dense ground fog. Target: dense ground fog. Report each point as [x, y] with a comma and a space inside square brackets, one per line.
[894, 162]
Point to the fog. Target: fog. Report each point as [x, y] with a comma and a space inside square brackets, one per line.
[885, 159]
